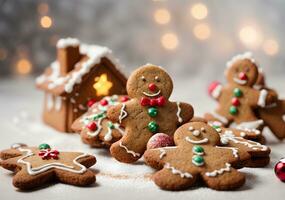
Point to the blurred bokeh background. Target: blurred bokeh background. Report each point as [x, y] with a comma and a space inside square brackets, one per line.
[189, 38]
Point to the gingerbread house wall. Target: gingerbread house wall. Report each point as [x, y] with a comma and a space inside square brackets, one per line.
[55, 112]
[85, 90]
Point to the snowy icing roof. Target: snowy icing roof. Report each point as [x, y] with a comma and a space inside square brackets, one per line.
[51, 80]
[246, 55]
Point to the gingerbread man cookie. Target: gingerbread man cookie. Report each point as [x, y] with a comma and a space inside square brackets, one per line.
[197, 154]
[94, 126]
[238, 99]
[36, 166]
[148, 112]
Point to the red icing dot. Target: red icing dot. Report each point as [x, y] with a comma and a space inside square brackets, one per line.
[235, 101]
[144, 101]
[242, 76]
[152, 87]
[91, 102]
[104, 102]
[161, 101]
[124, 99]
[92, 126]
[212, 87]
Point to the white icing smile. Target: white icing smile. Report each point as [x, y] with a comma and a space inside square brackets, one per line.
[152, 95]
[188, 139]
[240, 82]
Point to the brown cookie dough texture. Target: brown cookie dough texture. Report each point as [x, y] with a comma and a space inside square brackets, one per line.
[238, 99]
[197, 155]
[148, 112]
[35, 167]
[95, 128]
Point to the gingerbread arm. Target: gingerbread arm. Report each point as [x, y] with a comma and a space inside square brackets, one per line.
[117, 113]
[215, 90]
[263, 97]
[185, 112]
[156, 158]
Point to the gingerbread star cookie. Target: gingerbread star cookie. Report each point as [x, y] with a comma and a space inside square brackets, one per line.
[36, 166]
[197, 155]
[148, 112]
[95, 128]
[238, 98]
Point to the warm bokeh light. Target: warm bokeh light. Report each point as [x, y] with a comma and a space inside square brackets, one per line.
[43, 8]
[3, 54]
[250, 36]
[162, 16]
[102, 85]
[23, 66]
[46, 22]
[169, 41]
[199, 11]
[270, 47]
[202, 31]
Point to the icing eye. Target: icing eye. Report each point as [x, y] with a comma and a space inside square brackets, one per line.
[157, 79]
[143, 79]
[191, 128]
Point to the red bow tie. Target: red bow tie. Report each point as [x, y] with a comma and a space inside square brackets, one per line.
[48, 153]
[160, 101]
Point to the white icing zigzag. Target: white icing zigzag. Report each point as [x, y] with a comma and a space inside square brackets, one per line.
[234, 150]
[219, 171]
[246, 55]
[176, 171]
[123, 113]
[56, 165]
[180, 120]
[129, 151]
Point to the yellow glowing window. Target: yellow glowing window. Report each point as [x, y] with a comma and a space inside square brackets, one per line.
[102, 85]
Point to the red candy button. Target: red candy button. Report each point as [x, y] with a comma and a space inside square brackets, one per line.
[152, 87]
[91, 102]
[104, 102]
[92, 126]
[161, 101]
[144, 101]
[124, 99]
[235, 101]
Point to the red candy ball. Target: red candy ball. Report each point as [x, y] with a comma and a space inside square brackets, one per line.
[92, 126]
[160, 140]
[152, 87]
[144, 101]
[91, 102]
[235, 101]
[280, 169]
[104, 102]
[212, 87]
[161, 101]
[242, 76]
[124, 98]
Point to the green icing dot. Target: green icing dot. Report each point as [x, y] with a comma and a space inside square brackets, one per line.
[233, 110]
[216, 126]
[198, 149]
[98, 116]
[237, 92]
[111, 125]
[44, 146]
[198, 160]
[152, 111]
[153, 127]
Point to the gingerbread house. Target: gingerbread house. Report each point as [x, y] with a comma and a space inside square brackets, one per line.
[80, 73]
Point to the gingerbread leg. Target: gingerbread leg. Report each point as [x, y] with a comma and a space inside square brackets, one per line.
[168, 180]
[228, 180]
[84, 179]
[25, 181]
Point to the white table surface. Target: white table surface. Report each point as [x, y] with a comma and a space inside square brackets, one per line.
[20, 111]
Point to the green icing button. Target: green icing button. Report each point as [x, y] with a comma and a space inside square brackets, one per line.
[153, 127]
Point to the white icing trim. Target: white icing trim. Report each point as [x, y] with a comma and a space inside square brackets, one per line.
[152, 95]
[239, 81]
[234, 150]
[57, 103]
[262, 98]
[246, 55]
[46, 167]
[257, 86]
[162, 153]
[228, 135]
[129, 151]
[217, 91]
[220, 118]
[67, 42]
[205, 140]
[108, 137]
[178, 172]
[123, 113]
[180, 120]
[50, 102]
[98, 130]
[219, 171]
[250, 126]
[283, 117]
